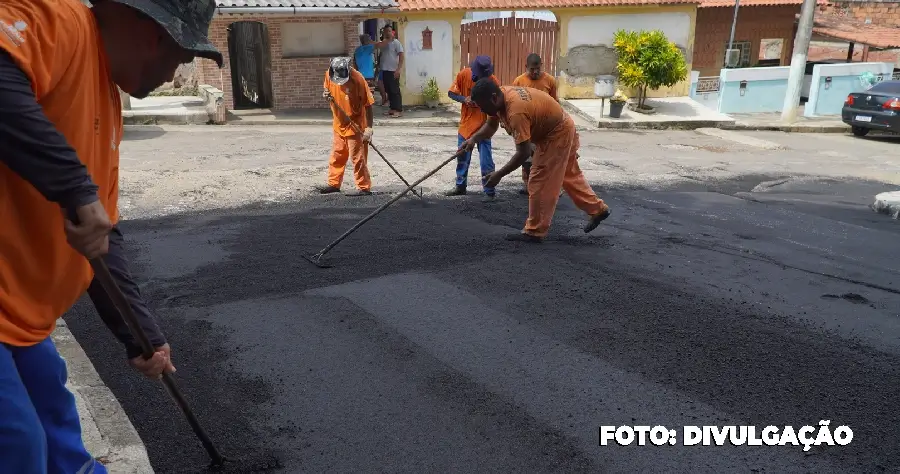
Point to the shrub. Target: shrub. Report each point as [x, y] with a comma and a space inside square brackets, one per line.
[648, 60]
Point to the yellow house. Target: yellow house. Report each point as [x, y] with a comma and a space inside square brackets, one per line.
[583, 39]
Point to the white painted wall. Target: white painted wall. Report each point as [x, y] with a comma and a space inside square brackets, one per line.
[423, 64]
[599, 29]
[755, 74]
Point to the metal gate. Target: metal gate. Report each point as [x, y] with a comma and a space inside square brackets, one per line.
[508, 41]
[251, 70]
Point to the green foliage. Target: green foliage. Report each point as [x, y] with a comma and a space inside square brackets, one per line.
[648, 60]
[431, 91]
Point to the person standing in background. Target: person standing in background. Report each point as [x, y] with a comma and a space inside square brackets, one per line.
[391, 64]
[364, 57]
[534, 78]
[379, 74]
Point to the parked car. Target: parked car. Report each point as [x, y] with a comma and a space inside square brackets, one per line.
[875, 109]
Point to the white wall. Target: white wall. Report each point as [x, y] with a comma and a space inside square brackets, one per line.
[599, 29]
[756, 74]
[424, 64]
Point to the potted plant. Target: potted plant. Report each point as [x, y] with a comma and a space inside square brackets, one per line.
[617, 103]
[431, 92]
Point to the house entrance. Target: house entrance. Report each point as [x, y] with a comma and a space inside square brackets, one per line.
[251, 70]
[508, 41]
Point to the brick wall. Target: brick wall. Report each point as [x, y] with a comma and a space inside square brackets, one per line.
[885, 13]
[754, 24]
[296, 83]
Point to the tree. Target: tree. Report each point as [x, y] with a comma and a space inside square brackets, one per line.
[648, 60]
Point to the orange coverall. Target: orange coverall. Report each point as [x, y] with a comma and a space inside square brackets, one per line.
[532, 115]
[353, 97]
[546, 83]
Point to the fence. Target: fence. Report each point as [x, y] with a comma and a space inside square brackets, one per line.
[508, 41]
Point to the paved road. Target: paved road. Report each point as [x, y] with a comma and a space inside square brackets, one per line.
[756, 289]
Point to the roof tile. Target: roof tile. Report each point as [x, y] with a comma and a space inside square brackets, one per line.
[748, 3]
[306, 3]
[852, 31]
[419, 5]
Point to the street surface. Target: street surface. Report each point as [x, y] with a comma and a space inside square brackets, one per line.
[741, 280]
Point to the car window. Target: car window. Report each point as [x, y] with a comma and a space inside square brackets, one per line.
[886, 87]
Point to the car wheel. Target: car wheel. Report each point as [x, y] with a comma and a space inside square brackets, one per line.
[859, 131]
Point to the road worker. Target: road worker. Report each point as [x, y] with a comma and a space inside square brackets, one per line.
[535, 78]
[533, 117]
[470, 121]
[348, 93]
[60, 129]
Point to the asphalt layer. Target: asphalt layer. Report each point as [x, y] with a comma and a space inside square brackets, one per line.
[435, 345]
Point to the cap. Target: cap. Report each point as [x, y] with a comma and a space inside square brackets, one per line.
[187, 21]
[482, 67]
[339, 72]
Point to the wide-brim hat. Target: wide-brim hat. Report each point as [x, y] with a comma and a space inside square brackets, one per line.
[186, 21]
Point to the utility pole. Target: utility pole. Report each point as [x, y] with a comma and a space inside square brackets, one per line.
[737, 4]
[798, 62]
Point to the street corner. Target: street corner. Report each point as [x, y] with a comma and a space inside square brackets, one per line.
[888, 203]
[106, 430]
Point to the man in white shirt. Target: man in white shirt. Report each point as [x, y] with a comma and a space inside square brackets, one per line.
[391, 64]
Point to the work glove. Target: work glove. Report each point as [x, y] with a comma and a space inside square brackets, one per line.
[326, 94]
[367, 134]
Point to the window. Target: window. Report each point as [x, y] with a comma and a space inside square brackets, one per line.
[744, 48]
[303, 40]
[770, 51]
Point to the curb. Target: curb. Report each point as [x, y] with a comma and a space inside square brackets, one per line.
[788, 128]
[130, 118]
[429, 122]
[673, 125]
[107, 431]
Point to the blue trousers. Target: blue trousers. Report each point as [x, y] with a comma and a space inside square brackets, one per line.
[487, 163]
[40, 432]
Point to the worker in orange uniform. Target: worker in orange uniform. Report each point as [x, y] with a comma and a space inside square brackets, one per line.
[535, 78]
[531, 116]
[61, 66]
[346, 88]
[471, 119]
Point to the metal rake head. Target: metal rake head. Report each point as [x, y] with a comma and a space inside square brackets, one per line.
[317, 260]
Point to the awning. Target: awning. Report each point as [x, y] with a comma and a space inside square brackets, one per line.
[853, 31]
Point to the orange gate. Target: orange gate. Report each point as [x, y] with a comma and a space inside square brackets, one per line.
[508, 41]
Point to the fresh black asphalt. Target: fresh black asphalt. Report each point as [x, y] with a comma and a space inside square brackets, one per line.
[433, 345]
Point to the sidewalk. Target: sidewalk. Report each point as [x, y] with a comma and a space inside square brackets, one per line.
[108, 433]
[678, 113]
